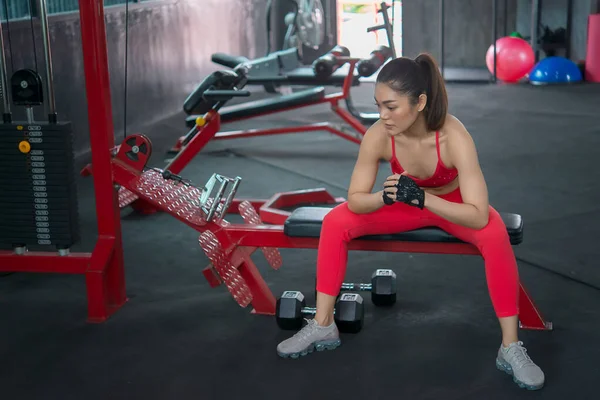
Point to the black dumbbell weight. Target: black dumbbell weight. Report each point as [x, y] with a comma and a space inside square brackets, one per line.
[382, 287]
[348, 314]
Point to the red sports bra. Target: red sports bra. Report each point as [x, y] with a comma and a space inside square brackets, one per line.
[442, 175]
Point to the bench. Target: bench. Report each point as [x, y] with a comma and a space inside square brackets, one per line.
[307, 222]
[259, 107]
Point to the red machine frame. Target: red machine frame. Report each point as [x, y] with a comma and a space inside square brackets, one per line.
[203, 133]
[103, 267]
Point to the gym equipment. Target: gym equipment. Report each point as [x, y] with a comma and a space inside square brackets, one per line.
[382, 287]
[267, 226]
[208, 95]
[38, 195]
[103, 267]
[228, 246]
[326, 65]
[514, 59]
[387, 25]
[290, 74]
[305, 25]
[555, 70]
[349, 312]
[283, 68]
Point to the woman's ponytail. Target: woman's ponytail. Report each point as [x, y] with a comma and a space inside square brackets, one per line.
[437, 98]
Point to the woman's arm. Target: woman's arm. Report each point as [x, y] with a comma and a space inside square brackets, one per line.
[360, 198]
[474, 211]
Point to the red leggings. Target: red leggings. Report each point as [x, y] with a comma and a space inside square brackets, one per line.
[342, 225]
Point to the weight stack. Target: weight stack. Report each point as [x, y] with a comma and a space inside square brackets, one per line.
[38, 194]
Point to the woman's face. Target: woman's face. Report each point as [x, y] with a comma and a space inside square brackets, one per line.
[396, 110]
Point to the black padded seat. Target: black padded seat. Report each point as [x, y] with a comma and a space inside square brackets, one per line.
[307, 221]
[277, 103]
[306, 76]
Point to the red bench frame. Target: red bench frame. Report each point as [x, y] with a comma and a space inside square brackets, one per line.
[204, 133]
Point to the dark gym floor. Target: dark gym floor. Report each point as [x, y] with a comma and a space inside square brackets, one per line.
[177, 338]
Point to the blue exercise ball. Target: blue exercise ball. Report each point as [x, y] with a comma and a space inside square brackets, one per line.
[552, 70]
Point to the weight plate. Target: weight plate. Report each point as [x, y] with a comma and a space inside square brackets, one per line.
[35, 191]
[6, 225]
[33, 238]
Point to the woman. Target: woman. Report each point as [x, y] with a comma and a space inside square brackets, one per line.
[437, 181]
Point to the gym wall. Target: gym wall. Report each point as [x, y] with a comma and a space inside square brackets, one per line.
[170, 44]
[554, 16]
[468, 26]
[467, 29]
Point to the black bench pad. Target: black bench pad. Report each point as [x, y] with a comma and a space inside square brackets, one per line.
[307, 221]
[306, 76]
[269, 104]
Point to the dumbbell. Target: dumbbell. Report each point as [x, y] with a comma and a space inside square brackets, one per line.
[348, 314]
[382, 287]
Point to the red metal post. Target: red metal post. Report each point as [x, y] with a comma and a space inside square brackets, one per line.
[95, 62]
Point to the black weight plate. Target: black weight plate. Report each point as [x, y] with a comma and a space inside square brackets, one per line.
[33, 238]
[60, 126]
[24, 209]
[20, 218]
[7, 173]
[33, 234]
[29, 211]
[31, 221]
[27, 187]
[52, 141]
[24, 159]
[38, 174]
[29, 183]
[35, 192]
[28, 230]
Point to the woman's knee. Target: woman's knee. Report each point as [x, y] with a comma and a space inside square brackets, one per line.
[495, 228]
[335, 218]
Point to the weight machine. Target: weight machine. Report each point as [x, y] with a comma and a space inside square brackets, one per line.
[103, 267]
[305, 25]
[227, 245]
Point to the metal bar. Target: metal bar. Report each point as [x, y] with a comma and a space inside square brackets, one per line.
[388, 28]
[569, 28]
[100, 120]
[4, 87]
[535, 21]
[494, 35]
[43, 262]
[505, 30]
[48, 59]
[441, 60]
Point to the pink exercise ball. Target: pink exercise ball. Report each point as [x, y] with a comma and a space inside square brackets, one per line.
[514, 59]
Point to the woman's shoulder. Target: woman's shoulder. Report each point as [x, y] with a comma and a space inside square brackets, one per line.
[376, 141]
[376, 134]
[455, 137]
[453, 130]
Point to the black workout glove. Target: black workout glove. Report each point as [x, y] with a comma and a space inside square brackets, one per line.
[407, 191]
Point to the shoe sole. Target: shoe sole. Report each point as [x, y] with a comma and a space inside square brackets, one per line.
[319, 346]
[505, 367]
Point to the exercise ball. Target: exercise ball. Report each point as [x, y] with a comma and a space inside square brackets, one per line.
[555, 70]
[514, 59]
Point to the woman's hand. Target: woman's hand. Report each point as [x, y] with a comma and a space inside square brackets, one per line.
[401, 188]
